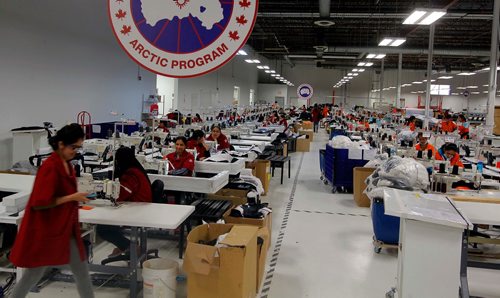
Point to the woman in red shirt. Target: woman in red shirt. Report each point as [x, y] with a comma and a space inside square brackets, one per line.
[135, 187]
[181, 159]
[449, 151]
[217, 135]
[49, 234]
[197, 141]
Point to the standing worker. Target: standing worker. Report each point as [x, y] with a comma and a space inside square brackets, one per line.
[49, 234]
[315, 117]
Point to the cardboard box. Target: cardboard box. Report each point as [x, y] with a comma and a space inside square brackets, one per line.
[359, 177]
[308, 132]
[266, 222]
[222, 272]
[307, 125]
[265, 234]
[303, 145]
[236, 196]
[262, 169]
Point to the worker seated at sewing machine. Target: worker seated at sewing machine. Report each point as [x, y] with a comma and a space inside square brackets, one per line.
[197, 141]
[217, 136]
[135, 187]
[424, 145]
[182, 162]
[449, 152]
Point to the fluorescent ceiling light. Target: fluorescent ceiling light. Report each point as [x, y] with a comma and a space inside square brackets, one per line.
[474, 93]
[371, 56]
[361, 64]
[432, 17]
[445, 78]
[392, 42]
[472, 87]
[355, 74]
[414, 92]
[424, 16]
[256, 61]
[461, 88]
[385, 89]
[416, 83]
[485, 91]
[466, 74]
[361, 70]
[349, 74]
[272, 71]
[274, 75]
[248, 60]
[266, 67]
[414, 17]
[355, 70]
[260, 67]
[486, 85]
[268, 71]
[242, 53]
[368, 64]
[455, 94]
[350, 78]
[426, 81]
[380, 56]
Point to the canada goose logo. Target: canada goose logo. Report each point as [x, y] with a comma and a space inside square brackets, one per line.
[182, 38]
[305, 91]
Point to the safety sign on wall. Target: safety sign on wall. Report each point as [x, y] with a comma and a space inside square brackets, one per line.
[182, 38]
[305, 91]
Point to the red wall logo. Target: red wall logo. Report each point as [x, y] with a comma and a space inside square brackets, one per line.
[182, 38]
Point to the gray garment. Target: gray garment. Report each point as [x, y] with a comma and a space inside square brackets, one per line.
[80, 270]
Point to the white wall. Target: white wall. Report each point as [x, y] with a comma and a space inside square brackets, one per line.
[211, 92]
[268, 92]
[166, 89]
[50, 73]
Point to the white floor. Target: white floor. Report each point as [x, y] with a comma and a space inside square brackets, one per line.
[325, 248]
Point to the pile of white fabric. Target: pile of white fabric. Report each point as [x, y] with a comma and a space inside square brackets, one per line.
[377, 161]
[343, 142]
[397, 172]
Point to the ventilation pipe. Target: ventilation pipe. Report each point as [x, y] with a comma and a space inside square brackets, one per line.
[324, 9]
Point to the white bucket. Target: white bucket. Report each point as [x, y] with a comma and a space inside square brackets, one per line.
[159, 278]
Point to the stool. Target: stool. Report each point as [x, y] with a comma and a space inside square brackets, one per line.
[278, 161]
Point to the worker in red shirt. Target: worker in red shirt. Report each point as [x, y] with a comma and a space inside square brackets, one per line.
[197, 141]
[217, 135]
[134, 187]
[423, 144]
[447, 124]
[412, 123]
[283, 121]
[50, 234]
[181, 159]
[463, 128]
[315, 117]
[449, 151]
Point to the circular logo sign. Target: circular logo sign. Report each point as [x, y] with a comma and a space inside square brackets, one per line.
[182, 38]
[305, 91]
[466, 93]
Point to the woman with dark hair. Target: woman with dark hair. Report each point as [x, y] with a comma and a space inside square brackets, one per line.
[412, 123]
[463, 128]
[449, 151]
[197, 141]
[49, 234]
[135, 187]
[219, 137]
[181, 160]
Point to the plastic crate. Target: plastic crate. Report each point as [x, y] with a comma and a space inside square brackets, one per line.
[343, 168]
[385, 227]
[337, 132]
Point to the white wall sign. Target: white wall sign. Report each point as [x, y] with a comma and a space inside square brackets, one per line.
[305, 91]
[182, 38]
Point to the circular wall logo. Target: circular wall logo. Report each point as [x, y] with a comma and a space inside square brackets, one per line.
[182, 38]
[305, 91]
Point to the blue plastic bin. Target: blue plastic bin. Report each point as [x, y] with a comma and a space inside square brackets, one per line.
[343, 168]
[385, 227]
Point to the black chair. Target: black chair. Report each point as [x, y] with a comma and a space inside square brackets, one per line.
[157, 190]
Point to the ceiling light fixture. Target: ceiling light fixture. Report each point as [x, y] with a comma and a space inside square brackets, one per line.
[445, 78]
[371, 56]
[249, 61]
[392, 42]
[260, 67]
[368, 64]
[380, 56]
[355, 74]
[424, 16]
[265, 67]
[416, 83]
[361, 64]
[471, 87]
[466, 74]
[242, 53]
[361, 70]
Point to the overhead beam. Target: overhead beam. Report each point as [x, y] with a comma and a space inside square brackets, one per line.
[362, 15]
[410, 51]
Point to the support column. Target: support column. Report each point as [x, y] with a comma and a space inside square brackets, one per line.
[429, 76]
[490, 118]
[381, 94]
[400, 70]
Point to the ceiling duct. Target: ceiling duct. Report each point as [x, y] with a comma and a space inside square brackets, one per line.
[324, 14]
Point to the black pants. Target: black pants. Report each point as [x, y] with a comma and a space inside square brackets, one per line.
[315, 126]
[114, 235]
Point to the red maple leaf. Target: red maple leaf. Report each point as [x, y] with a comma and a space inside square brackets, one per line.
[120, 14]
[241, 20]
[245, 3]
[234, 35]
[126, 30]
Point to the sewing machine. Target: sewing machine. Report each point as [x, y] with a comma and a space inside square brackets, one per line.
[105, 189]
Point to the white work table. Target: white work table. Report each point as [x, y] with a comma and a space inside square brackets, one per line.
[481, 213]
[144, 215]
